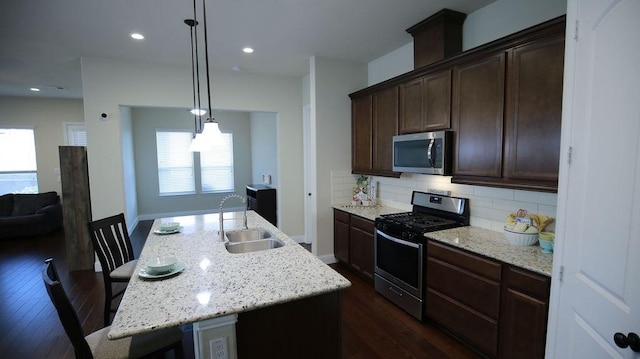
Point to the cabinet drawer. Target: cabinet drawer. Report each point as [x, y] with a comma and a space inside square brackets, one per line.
[362, 224]
[465, 287]
[532, 284]
[341, 216]
[479, 331]
[472, 263]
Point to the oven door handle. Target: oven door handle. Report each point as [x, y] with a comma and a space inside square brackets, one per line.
[399, 241]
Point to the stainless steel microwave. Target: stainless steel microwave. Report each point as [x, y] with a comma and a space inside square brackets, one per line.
[426, 152]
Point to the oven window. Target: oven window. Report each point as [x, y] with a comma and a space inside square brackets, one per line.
[401, 261]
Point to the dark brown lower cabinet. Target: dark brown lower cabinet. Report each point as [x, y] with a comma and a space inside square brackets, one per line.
[341, 235]
[353, 242]
[306, 328]
[523, 317]
[361, 246]
[463, 295]
[498, 309]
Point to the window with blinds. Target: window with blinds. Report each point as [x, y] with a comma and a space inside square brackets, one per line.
[175, 163]
[216, 164]
[18, 167]
[76, 134]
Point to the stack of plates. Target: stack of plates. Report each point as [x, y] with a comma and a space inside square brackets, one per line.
[168, 228]
[161, 267]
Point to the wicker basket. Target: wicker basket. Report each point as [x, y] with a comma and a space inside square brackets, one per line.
[521, 239]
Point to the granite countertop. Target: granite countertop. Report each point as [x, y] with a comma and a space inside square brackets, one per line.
[474, 239]
[368, 212]
[492, 244]
[216, 283]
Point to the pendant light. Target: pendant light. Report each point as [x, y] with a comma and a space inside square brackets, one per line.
[202, 139]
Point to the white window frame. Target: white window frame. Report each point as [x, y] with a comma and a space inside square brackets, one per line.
[222, 143]
[22, 170]
[75, 134]
[190, 166]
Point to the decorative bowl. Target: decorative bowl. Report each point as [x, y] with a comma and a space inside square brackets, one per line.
[162, 264]
[169, 226]
[521, 239]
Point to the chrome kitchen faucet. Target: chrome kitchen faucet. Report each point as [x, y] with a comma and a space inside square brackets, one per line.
[244, 217]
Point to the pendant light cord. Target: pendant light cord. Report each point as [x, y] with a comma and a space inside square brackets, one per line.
[192, 24]
[206, 54]
[195, 17]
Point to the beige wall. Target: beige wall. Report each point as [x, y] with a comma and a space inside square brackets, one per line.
[47, 118]
[107, 85]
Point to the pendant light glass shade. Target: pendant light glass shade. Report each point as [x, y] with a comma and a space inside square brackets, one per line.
[210, 124]
[210, 129]
[198, 111]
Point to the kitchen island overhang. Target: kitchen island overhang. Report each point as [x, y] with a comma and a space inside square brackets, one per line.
[216, 283]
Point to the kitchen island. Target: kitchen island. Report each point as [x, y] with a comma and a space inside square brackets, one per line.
[217, 287]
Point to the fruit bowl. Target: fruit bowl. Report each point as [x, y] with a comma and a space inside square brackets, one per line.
[520, 238]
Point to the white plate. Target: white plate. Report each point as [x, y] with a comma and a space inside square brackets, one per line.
[171, 231]
[179, 267]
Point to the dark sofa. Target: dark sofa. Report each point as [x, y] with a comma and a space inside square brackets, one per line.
[25, 215]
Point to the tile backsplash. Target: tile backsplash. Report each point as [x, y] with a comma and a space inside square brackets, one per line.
[489, 206]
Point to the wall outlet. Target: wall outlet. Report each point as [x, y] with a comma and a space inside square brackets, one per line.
[219, 348]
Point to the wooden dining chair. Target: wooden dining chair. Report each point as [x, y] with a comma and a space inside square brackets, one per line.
[96, 344]
[112, 245]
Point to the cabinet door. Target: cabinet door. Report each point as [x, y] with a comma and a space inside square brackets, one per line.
[437, 101]
[361, 246]
[341, 236]
[534, 110]
[477, 114]
[523, 315]
[425, 104]
[411, 97]
[361, 132]
[385, 126]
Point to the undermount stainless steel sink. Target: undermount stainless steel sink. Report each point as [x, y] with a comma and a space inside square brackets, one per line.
[244, 235]
[253, 246]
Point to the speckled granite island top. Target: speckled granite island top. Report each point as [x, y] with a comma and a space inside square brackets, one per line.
[493, 244]
[217, 283]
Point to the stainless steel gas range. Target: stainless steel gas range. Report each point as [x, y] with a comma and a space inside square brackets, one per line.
[400, 246]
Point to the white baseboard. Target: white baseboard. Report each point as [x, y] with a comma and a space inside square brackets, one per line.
[328, 259]
[298, 239]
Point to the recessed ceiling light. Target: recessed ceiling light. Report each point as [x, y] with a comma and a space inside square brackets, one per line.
[137, 36]
[247, 50]
[35, 89]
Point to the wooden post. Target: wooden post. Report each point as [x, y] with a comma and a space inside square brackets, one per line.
[76, 207]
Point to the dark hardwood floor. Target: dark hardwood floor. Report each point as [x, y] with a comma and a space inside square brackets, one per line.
[30, 328]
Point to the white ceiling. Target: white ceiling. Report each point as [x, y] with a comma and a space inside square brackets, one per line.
[41, 41]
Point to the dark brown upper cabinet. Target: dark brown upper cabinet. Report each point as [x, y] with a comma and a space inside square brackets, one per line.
[478, 100]
[361, 134]
[425, 103]
[534, 110]
[385, 126]
[374, 122]
[507, 118]
[503, 100]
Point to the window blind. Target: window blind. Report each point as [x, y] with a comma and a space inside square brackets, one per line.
[175, 163]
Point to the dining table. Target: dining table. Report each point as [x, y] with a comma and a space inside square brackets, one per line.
[216, 290]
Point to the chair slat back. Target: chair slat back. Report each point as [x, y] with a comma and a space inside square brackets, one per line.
[66, 312]
[111, 241]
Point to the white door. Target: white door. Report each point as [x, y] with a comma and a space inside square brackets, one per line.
[598, 239]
